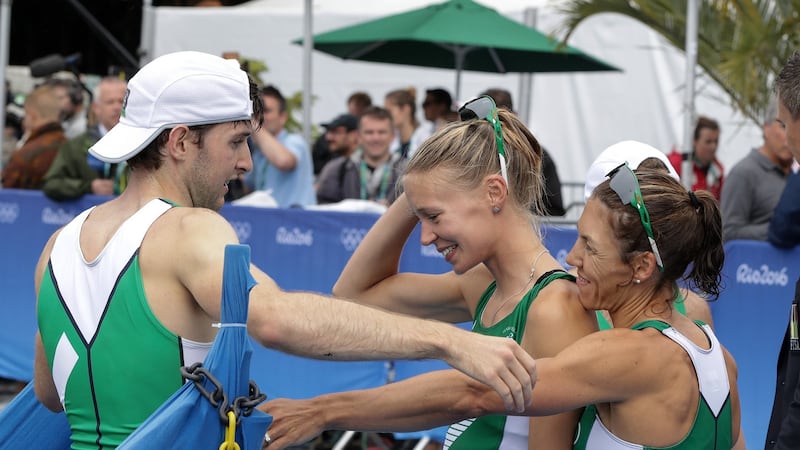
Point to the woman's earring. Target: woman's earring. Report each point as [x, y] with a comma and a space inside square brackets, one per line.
[496, 209]
[637, 281]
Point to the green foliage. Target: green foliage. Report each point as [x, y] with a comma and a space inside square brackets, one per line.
[741, 45]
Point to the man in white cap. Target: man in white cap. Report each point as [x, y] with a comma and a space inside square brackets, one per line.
[128, 291]
[639, 155]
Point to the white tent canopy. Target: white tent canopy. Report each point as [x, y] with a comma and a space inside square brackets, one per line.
[574, 115]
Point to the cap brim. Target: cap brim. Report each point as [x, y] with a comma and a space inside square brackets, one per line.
[122, 142]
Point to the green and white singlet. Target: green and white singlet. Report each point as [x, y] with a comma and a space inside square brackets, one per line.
[112, 361]
[712, 428]
[498, 432]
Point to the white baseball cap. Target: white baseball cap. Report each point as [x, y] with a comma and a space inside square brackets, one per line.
[632, 152]
[182, 88]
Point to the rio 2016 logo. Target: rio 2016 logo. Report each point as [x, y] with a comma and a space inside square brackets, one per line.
[761, 275]
[294, 236]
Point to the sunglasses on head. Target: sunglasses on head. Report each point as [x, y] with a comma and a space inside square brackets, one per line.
[624, 183]
[483, 108]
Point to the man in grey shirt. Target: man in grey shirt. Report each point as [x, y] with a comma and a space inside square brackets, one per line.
[754, 185]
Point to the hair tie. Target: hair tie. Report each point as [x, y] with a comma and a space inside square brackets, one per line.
[695, 202]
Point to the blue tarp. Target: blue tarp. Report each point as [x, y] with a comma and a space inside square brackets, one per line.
[187, 419]
[26, 423]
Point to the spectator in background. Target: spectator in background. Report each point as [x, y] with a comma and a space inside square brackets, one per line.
[342, 135]
[281, 160]
[707, 171]
[438, 107]
[553, 200]
[754, 185]
[370, 172]
[74, 171]
[73, 114]
[784, 231]
[42, 123]
[357, 102]
[409, 133]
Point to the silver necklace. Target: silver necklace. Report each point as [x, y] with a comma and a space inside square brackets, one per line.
[530, 278]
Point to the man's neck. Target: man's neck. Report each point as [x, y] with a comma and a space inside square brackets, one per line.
[373, 161]
[786, 168]
[405, 131]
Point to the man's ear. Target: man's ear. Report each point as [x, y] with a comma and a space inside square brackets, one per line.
[179, 137]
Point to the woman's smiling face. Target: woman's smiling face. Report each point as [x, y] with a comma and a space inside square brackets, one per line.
[454, 220]
[596, 257]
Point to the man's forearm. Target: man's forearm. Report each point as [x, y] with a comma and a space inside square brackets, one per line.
[323, 328]
[276, 153]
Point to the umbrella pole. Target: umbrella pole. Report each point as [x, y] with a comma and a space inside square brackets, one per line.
[525, 97]
[5, 37]
[459, 52]
[307, 45]
[688, 97]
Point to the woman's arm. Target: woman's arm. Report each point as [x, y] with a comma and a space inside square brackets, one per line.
[371, 275]
[556, 319]
[424, 401]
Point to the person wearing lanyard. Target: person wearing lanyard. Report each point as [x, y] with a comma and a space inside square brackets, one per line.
[371, 171]
[379, 167]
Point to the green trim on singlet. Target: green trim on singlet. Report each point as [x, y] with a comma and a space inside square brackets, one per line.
[107, 375]
[488, 432]
[169, 201]
[679, 302]
[107, 391]
[708, 432]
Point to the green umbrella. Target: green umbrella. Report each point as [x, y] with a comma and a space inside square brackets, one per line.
[459, 34]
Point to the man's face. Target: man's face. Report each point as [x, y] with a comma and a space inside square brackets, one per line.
[341, 141]
[108, 106]
[792, 127]
[222, 156]
[375, 136]
[775, 144]
[274, 119]
[67, 108]
[432, 109]
[705, 146]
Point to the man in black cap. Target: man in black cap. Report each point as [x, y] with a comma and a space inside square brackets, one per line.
[342, 135]
[321, 152]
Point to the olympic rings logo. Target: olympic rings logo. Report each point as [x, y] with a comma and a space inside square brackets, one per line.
[9, 212]
[243, 230]
[351, 237]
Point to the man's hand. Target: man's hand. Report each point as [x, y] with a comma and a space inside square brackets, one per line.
[294, 422]
[498, 362]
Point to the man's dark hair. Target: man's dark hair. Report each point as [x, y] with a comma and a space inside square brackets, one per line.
[376, 112]
[788, 85]
[440, 96]
[501, 97]
[705, 122]
[360, 98]
[272, 91]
